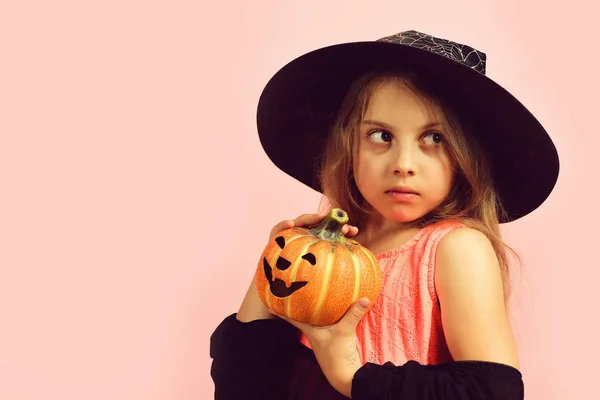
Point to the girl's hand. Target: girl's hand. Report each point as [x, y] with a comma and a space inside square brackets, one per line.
[335, 346]
[252, 308]
[308, 220]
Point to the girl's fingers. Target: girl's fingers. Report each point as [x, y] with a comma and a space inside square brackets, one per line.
[302, 221]
[285, 224]
[352, 231]
[308, 219]
[349, 230]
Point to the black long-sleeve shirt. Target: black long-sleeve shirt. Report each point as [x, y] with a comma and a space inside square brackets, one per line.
[264, 359]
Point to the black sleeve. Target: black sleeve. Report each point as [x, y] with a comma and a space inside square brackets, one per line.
[252, 360]
[462, 380]
[265, 360]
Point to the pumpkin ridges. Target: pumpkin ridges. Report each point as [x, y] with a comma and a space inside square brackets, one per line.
[304, 305]
[293, 245]
[375, 278]
[357, 276]
[325, 283]
[340, 287]
[294, 274]
[364, 277]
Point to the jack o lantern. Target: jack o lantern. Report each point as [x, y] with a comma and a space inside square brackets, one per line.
[314, 275]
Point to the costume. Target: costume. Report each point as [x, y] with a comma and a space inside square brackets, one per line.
[400, 341]
[269, 359]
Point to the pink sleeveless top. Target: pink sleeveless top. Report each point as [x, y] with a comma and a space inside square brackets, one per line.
[405, 322]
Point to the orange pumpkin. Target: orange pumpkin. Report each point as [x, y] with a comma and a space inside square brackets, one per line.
[314, 275]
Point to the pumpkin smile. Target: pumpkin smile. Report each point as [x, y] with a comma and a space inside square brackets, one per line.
[277, 286]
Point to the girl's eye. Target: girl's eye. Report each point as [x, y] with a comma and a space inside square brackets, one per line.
[380, 136]
[433, 138]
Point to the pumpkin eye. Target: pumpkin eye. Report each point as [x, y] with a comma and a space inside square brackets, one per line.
[310, 257]
[280, 241]
[282, 264]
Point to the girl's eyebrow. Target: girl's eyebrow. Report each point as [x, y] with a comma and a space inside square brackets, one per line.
[384, 125]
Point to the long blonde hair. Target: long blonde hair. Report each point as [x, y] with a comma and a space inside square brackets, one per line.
[472, 200]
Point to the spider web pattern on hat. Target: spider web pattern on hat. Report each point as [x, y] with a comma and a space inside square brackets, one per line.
[452, 50]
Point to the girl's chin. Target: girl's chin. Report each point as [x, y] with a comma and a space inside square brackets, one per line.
[401, 214]
[405, 218]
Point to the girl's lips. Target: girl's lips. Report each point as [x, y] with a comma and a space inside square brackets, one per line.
[402, 189]
[402, 196]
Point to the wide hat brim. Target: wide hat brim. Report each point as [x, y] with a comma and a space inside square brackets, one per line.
[300, 103]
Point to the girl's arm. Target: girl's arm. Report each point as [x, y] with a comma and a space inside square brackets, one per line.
[469, 287]
[252, 308]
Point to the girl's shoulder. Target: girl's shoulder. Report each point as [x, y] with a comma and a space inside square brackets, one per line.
[427, 238]
[432, 234]
[444, 226]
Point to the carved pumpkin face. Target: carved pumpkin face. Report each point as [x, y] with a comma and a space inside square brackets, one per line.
[277, 286]
[313, 276]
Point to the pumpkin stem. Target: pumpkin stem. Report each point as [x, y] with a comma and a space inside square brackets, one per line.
[330, 227]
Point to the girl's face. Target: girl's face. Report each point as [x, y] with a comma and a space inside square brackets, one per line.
[402, 166]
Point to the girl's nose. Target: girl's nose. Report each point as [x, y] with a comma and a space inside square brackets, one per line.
[404, 163]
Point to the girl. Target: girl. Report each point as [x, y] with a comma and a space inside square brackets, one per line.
[427, 155]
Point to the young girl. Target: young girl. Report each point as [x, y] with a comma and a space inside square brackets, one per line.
[427, 156]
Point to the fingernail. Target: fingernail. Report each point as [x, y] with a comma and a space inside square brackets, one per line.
[364, 303]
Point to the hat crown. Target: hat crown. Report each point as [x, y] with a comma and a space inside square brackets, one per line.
[462, 53]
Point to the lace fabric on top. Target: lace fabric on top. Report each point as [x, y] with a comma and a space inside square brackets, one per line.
[405, 322]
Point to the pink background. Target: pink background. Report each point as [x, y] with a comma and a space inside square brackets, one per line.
[136, 199]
